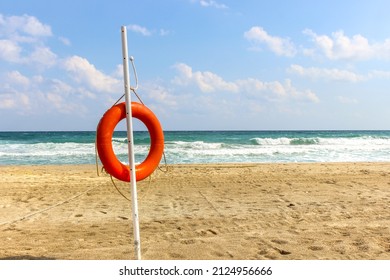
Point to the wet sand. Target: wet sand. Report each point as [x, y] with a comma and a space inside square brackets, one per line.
[222, 211]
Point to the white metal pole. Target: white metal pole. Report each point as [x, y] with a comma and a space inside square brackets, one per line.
[129, 122]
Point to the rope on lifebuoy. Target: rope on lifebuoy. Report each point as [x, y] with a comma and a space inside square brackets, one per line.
[105, 150]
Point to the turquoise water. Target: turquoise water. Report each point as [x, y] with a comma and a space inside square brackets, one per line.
[23, 148]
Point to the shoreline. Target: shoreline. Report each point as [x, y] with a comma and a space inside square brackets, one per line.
[199, 211]
[92, 166]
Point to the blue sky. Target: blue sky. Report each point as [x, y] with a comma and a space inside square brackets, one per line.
[202, 64]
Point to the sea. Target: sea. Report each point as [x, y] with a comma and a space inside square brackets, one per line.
[183, 147]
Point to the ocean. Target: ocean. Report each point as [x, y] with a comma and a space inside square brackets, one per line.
[78, 147]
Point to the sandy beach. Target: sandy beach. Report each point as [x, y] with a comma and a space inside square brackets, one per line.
[223, 211]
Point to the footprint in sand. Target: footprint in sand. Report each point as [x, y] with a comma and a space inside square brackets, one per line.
[123, 218]
[279, 241]
[316, 248]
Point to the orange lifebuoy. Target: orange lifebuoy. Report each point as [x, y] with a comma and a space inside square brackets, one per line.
[105, 150]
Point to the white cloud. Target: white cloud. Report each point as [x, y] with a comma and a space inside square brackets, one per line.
[7, 101]
[64, 106]
[336, 46]
[16, 26]
[42, 56]
[22, 41]
[39, 56]
[306, 95]
[164, 32]
[65, 41]
[15, 100]
[208, 97]
[118, 72]
[160, 95]
[10, 51]
[144, 31]
[325, 73]
[206, 81]
[86, 73]
[38, 95]
[339, 46]
[61, 96]
[34, 27]
[336, 74]
[59, 87]
[16, 78]
[274, 91]
[278, 45]
[211, 3]
[14, 90]
[139, 29]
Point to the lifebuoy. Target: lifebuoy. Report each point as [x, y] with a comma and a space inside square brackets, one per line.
[105, 150]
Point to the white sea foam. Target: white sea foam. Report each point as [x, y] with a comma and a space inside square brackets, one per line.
[233, 149]
[284, 150]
